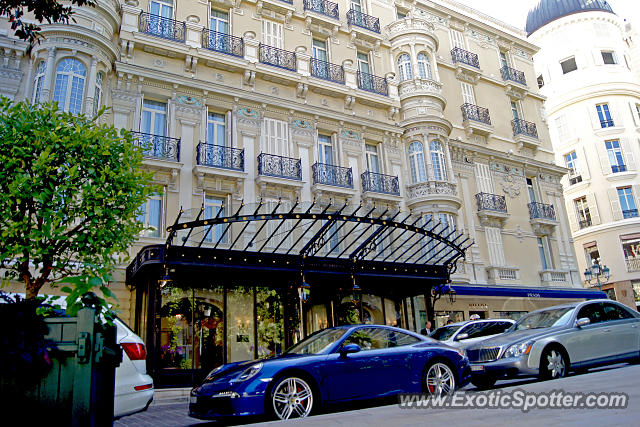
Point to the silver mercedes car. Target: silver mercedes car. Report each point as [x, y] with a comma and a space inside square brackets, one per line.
[549, 342]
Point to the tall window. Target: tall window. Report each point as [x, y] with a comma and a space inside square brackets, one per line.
[571, 161]
[404, 67]
[531, 190]
[568, 65]
[162, 9]
[562, 126]
[154, 118]
[591, 253]
[214, 206]
[150, 215]
[604, 115]
[424, 66]
[416, 162]
[356, 5]
[438, 161]
[320, 67]
[366, 78]
[631, 250]
[276, 137]
[545, 253]
[219, 22]
[627, 202]
[325, 149]
[97, 95]
[372, 158]
[494, 244]
[503, 60]
[457, 39]
[447, 221]
[515, 110]
[272, 34]
[582, 212]
[216, 129]
[38, 80]
[614, 152]
[468, 95]
[69, 89]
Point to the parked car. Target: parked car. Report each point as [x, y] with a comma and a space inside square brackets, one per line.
[332, 365]
[550, 342]
[463, 334]
[133, 387]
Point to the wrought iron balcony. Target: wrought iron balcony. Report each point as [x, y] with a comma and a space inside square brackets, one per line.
[372, 83]
[461, 55]
[332, 175]
[523, 127]
[380, 183]
[327, 71]
[618, 168]
[631, 213]
[473, 112]
[542, 211]
[279, 166]
[162, 27]
[514, 75]
[606, 123]
[278, 57]
[584, 223]
[324, 7]
[363, 20]
[220, 156]
[157, 146]
[223, 43]
[491, 202]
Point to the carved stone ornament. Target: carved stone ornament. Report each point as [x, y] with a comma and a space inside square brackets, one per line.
[510, 186]
[188, 100]
[248, 113]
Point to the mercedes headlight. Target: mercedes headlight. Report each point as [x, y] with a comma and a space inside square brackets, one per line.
[250, 372]
[518, 350]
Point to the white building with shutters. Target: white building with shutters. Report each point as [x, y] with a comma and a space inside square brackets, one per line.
[585, 69]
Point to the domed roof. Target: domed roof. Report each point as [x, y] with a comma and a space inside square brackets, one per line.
[549, 10]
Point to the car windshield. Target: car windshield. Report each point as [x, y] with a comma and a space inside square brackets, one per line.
[318, 342]
[445, 332]
[544, 319]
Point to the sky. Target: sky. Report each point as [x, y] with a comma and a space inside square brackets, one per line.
[514, 12]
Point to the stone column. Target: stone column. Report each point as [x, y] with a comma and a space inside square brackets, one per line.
[48, 78]
[91, 87]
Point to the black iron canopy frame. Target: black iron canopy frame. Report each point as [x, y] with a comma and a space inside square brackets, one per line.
[312, 240]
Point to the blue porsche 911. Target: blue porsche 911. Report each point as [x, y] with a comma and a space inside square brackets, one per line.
[333, 365]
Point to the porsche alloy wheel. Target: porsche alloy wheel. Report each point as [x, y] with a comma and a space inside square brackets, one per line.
[440, 380]
[292, 397]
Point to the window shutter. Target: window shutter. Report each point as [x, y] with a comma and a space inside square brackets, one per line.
[615, 204]
[457, 39]
[593, 209]
[593, 115]
[635, 190]
[494, 243]
[583, 163]
[627, 152]
[604, 158]
[632, 110]
[484, 183]
[468, 97]
[615, 114]
[597, 57]
[572, 213]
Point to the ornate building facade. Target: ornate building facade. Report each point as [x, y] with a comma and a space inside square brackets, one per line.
[430, 108]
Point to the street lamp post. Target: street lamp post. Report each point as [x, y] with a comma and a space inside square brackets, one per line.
[596, 272]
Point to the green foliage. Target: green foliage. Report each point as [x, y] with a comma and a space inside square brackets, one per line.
[70, 190]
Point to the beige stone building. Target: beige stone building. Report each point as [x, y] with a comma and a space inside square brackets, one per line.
[429, 107]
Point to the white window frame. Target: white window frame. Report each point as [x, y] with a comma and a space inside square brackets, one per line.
[438, 160]
[404, 67]
[272, 33]
[144, 216]
[97, 95]
[215, 121]
[371, 151]
[416, 162]
[468, 93]
[615, 154]
[424, 66]
[38, 81]
[153, 114]
[212, 205]
[73, 80]
[582, 211]
[276, 137]
[457, 39]
[325, 149]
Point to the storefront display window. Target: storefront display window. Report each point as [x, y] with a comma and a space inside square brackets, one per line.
[208, 330]
[269, 316]
[240, 337]
[175, 328]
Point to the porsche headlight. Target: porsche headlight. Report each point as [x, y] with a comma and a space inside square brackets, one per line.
[213, 373]
[518, 350]
[250, 372]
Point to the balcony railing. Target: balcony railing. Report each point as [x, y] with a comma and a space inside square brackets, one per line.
[491, 202]
[162, 27]
[541, 211]
[618, 168]
[324, 7]
[473, 112]
[584, 223]
[220, 156]
[514, 75]
[606, 123]
[523, 127]
[372, 83]
[327, 71]
[363, 20]
[633, 264]
[277, 57]
[157, 146]
[279, 166]
[631, 213]
[223, 43]
[332, 175]
[461, 55]
[380, 183]
[574, 177]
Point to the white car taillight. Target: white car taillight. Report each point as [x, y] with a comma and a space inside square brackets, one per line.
[134, 350]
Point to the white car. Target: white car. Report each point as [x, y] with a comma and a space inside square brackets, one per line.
[462, 334]
[133, 388]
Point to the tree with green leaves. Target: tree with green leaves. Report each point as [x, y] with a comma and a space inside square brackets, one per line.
[70, 191]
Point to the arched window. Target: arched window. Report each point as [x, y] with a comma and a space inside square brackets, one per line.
[404, 67]
[437, 160]
[97, 96]
[416, 162]
[424, 66]
[70, 76]
[41, 70]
